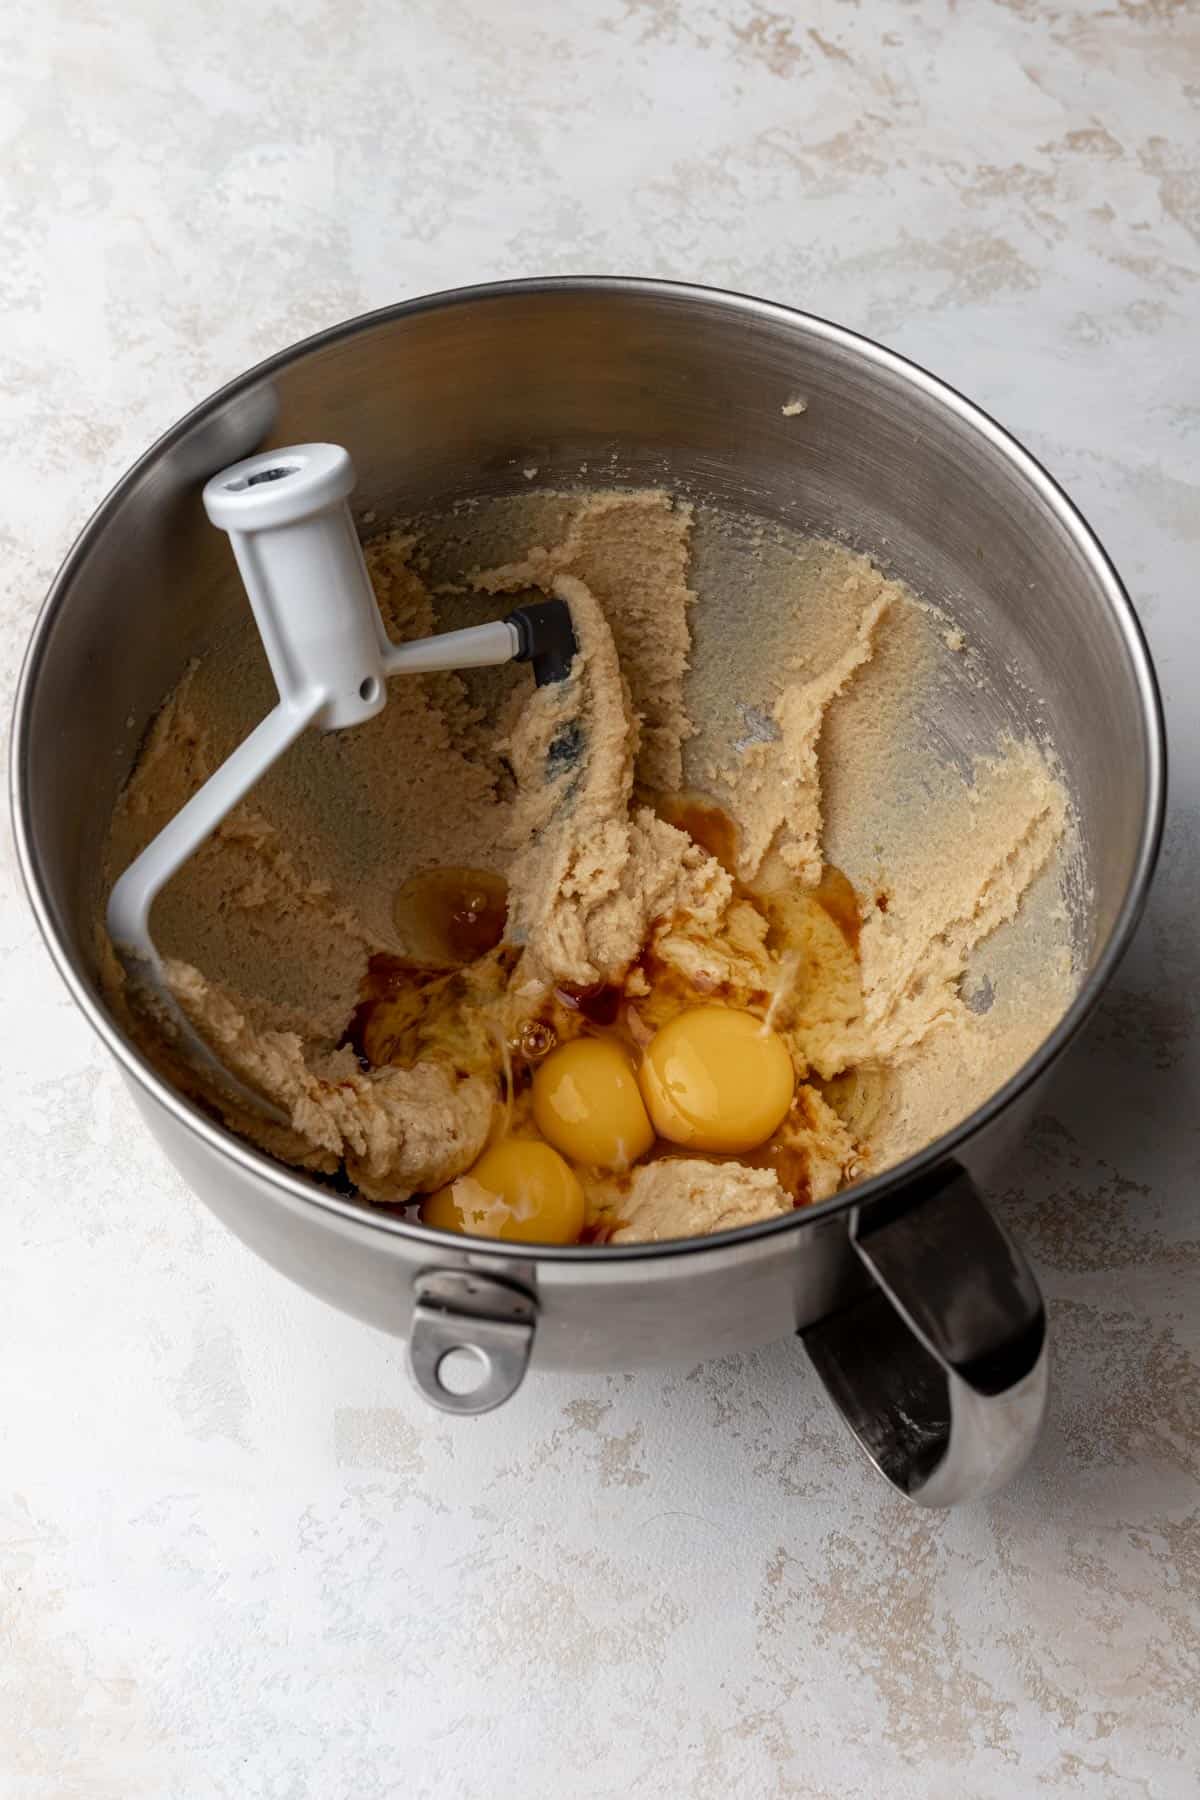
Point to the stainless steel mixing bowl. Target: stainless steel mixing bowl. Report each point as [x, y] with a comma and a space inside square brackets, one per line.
[918, 1311]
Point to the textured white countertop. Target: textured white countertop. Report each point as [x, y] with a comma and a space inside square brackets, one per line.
[237, 1556]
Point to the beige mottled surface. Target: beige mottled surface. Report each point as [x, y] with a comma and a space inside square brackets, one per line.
[237, 1557]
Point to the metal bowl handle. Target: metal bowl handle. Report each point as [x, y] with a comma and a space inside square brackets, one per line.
[940, 1369]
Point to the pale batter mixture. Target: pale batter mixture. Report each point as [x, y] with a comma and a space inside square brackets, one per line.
[855, 895]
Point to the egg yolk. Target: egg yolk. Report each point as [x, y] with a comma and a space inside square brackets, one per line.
[519, 1189]
[714, 1078]
[587, 1104]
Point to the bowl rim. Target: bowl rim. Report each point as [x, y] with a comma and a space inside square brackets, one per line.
[604, 1258]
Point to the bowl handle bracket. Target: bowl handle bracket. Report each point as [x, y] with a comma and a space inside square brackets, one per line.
[468, 1323]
